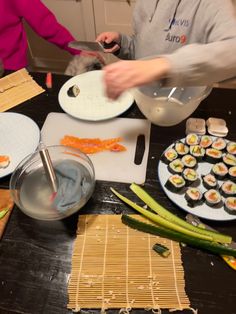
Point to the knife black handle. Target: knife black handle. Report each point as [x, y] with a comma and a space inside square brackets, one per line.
[109, 45]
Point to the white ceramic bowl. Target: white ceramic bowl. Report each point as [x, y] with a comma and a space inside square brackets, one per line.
[169, 106]
[32, 191]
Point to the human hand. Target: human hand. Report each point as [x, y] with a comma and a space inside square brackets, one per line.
[93, 54]
[122, 75]
[108, 37]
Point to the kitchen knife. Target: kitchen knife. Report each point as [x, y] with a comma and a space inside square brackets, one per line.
[90, 45]
[195, 221]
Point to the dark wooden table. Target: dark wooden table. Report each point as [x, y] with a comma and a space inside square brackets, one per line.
[35, 256]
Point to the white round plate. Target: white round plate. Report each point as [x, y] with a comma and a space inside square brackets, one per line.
[19, 137]
[92, 104]
[202, 211]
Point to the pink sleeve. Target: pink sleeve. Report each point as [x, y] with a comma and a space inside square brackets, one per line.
[45, 24]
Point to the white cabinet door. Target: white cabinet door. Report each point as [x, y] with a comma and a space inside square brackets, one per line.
[113, 15]
[77, 16]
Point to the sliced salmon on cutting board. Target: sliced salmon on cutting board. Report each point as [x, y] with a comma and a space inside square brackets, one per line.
[109, 164]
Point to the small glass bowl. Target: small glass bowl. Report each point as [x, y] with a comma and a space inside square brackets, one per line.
[32, 192]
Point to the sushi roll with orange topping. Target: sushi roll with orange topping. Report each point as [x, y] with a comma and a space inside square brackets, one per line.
[219, 143]
[205, 141]
[228, 188]
[232, 173]
[193, 197]
[219, 170]
[231, 148]
[169, 155]
[4, 161]
[230, 205]
[212, 198]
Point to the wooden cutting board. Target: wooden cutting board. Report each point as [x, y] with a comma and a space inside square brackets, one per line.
[109, 166]
[5, 202]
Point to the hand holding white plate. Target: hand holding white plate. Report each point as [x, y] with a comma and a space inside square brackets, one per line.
[91, 103]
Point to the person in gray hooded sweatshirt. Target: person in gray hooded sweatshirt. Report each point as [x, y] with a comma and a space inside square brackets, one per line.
[191, 42]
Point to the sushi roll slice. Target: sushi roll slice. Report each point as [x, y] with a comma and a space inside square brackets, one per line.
[169, 155]
[209, 181]
[205, 141]
[4, 161]
[219, 170]
[229, 160]
[230, 205]
[228, 188]
[197, 151]
[212, 198]
[176, 166]
[190, 176]
[189, 161]
[73, 91]
[219, 143]
[213, 155]
[175, 183]
[181, 148]
[192, 139]
[232, 173]
[231, 148]
[193, 197]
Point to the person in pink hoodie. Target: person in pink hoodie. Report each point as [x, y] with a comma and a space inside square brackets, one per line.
[13, 38]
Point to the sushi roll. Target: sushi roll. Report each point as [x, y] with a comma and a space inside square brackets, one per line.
[219, 143]
[205, 141]
[73, 91]
[190, 176]
[212, 198]
[219, 170]
[176, 166]
[197, 151]
[175, 183]
[169, 155]
[193, 197]
[192, 139]
[213, 155]
[232, 173]
[229, 160]
[4, 161]
[230, 205]
[231, 148]
[228, 188]
[189, 161]
[209, 181]
[181, 148]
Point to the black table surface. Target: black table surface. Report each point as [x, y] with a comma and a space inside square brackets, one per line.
[35, 256]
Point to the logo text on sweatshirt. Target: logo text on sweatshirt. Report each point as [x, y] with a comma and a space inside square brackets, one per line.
[179, 22]
[176, 38]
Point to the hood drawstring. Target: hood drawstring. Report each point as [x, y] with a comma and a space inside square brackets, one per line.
[173, 18]
[151, 17]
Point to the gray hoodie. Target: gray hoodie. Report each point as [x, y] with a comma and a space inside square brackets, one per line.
[198, 37]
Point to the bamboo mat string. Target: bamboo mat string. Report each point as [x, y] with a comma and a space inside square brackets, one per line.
[155, 306]
[174, 272]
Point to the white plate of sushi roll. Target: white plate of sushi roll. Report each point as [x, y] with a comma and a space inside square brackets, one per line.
[20, 137]
[83, 97]
[188, 196]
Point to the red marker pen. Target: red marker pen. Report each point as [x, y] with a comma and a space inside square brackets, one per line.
[49, 80]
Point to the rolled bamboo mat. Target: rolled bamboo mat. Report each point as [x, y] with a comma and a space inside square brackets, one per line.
[5, 202]
[16, 88]
[114, 267]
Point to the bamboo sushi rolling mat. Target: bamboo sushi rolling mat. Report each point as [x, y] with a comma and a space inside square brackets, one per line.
[114, 267]
[5, 202]
[16, 88]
